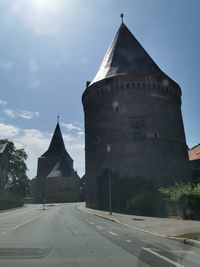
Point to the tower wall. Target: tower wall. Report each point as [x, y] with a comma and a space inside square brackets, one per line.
[45, 165]
[140, 117]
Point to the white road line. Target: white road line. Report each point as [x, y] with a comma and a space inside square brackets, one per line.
[182, 251]
[129, 241]
[163, 258]
[174, 251]
[12, 213]
[99, 227]
[112, 233]
[28, 221]
[91, 223]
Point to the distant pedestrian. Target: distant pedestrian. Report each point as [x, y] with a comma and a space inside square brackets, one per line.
[43, 200]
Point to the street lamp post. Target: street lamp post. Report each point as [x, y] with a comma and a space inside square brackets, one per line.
[108, 148]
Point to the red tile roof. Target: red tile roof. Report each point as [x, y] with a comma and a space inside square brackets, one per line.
[194, 153]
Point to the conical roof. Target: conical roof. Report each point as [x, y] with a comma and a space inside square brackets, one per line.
[125, 55]
[57, 146]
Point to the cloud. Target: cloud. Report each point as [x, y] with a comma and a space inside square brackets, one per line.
[3, 102]
[26, 114]
[10, 112]
[6, 65]
[68, 138]
[36, 142]
[81, 133]
[7, 130]
[71, 126]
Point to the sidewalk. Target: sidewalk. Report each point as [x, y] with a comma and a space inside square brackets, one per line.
[165, 227]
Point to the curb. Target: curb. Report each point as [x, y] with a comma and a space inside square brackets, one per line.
[185, 241]
[116, 221]
[105, 217]
[190, 242]
[130, 226]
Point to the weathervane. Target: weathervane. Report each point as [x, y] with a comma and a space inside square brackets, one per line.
[57, 119]
[122, 16]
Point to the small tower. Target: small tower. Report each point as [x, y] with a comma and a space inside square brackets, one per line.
[133, 106]
[56, 178]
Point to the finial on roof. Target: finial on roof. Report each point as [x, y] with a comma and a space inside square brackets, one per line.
[122, 16]
[57, 119]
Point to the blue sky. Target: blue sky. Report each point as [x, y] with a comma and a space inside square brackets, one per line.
[50, 48]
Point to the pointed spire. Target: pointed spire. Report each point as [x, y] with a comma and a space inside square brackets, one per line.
[125, 55]
[58, 117]
[57, 146]
[122, 17]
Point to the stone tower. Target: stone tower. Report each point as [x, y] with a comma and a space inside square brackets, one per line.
[56, 178]
[133, 106]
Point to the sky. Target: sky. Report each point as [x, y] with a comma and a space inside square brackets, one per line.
[50, 48]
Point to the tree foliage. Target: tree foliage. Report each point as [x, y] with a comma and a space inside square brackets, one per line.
[176, 191]
[186, 196]
[17, 179]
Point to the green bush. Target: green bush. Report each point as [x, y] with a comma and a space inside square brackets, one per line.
[187, 198]
[149, 204]
[174, 192]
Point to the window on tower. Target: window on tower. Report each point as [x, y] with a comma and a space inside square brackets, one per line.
[138, 127]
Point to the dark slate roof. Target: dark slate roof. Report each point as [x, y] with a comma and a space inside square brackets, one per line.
[3, 146]
[125, 55]
[61, 169]
[57, 146]
[56, 171]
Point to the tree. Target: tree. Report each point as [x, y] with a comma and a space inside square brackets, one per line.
[17, 179]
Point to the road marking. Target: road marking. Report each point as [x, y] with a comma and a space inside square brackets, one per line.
[182, 251]
[129, 241]
[174, 251]
[112, 233]
[9, 213]
[99, 227]
[91, 223]
[163, 258]
[28, 221]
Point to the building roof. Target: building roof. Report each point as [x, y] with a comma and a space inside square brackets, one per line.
[62, 169]
[194, 153]
[125, 55]
[57, 146]
[56, 171]
[3, 146]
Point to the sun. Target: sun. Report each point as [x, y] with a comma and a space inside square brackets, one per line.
[46, 7]
[44, 4]
[45, 15]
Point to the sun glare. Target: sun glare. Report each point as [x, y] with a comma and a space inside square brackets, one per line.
[45, 5]
[46, 15]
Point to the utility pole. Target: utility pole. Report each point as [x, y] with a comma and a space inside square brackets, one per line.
[108, 148]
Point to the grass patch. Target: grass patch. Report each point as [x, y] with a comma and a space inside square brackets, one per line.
[195, 236]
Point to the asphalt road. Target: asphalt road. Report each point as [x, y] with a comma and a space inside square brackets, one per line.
[62, 235]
